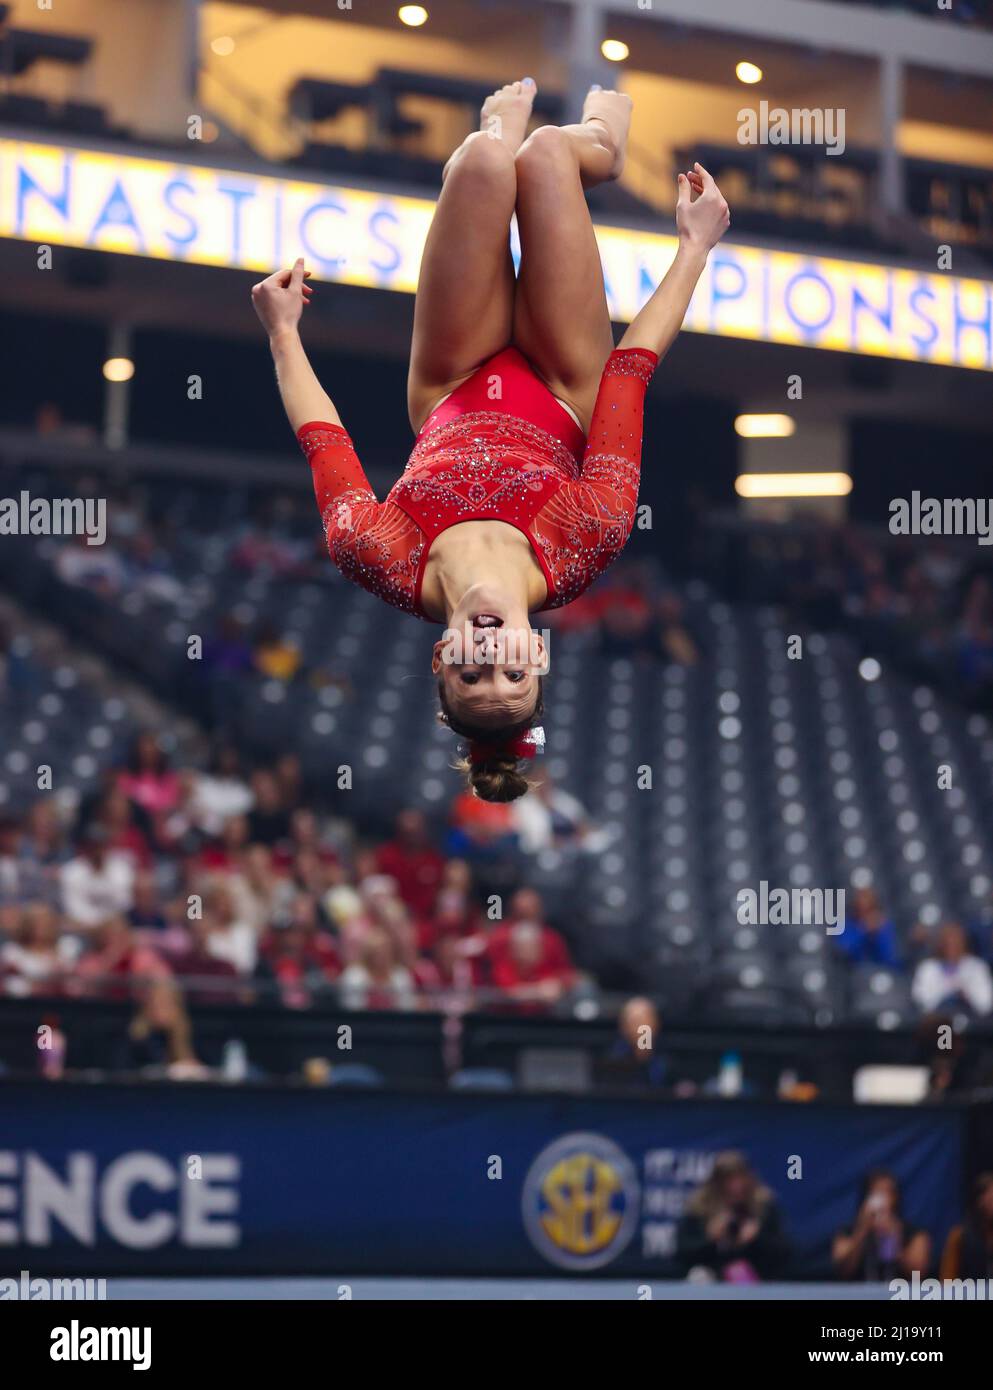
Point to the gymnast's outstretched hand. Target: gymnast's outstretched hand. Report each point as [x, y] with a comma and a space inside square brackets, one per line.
[702, 215]
[281, 299]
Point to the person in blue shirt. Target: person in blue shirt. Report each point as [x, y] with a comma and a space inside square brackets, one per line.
[869, 937]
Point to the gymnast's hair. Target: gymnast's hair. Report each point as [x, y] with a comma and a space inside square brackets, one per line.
[500, 776]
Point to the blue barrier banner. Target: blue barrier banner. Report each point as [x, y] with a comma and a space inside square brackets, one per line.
[112, 1179]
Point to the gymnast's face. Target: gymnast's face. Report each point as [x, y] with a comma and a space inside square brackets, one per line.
[489, 662]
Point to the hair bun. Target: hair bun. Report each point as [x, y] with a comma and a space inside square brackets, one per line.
[497, 779]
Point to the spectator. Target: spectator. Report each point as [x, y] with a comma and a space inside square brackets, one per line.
[116, 963]
[229, 937]
[869, 936]
[39, 959]
[530, 963]
[634, 1059]
[148, 780]
[298, 959]
[731, 1227]
[951, 977]
[274, 656]
[968, 1252]
[114, 813]
[377, 980]
[412, 860]
[97, 883]
[206, 977]
[548, 817]
[220, 793]
[881, 1245]
[268, 820]
[160, 1036]
[21, 876]
[145, 910]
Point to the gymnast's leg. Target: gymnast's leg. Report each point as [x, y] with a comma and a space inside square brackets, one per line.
[465, 293]
[561, 321]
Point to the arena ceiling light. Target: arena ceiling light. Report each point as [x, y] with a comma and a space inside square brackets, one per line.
[749, 73]
[793, 485]
[412, 15]
[615, 50]
[118, 369]
[764, 426]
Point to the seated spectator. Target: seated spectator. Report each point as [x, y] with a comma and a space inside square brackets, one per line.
[869, 936]
[527, 956]
[148, 780]
[38, 960]
[377, 980]
[633, 1059]
[206, 977]
[269, 819]
[548, 817]
[116, 963]
[968, 1252]
[97, 883]
[275, 656]
[160, 1036]
[229, 937]
[220, 793]
[881, 1245]
[675, 638]
[146, 910]
[413, 861]
[297, 958]
[21, 876]
[731, 1227]
[114, 813]
[951, 977]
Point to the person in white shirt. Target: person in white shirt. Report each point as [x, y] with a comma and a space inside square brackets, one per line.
[951, 976]
[98, 883]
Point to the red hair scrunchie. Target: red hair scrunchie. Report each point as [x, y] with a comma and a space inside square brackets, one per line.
[526, 745]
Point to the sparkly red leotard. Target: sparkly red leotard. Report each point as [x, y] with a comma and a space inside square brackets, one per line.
[500, 448]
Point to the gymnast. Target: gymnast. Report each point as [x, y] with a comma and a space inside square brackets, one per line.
[523, 481]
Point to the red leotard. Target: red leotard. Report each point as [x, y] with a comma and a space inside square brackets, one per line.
[500, 448]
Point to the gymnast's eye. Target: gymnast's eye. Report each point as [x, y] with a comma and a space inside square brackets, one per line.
[515, 676]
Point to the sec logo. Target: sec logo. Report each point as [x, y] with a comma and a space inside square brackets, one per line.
[580, 1202]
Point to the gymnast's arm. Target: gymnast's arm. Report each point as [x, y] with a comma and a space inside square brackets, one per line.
[279, 302]
[702, 218]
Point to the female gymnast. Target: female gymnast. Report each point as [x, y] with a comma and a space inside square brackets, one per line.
[523, 481]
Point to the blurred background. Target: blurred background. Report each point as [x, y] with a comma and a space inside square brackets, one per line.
[253, 870]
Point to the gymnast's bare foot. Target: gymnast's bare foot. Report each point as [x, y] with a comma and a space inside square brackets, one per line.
[506, 113]
[611, 111]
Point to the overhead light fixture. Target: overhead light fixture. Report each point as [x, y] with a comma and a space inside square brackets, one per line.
[749, 73]
[764, 426]
[223, 46]
[412, 15]
[615, 50]
[793, 485]
[118, 369]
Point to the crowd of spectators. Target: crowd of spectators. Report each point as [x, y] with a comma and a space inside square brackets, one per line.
[225, 884]
[949, 967]
[925, 602]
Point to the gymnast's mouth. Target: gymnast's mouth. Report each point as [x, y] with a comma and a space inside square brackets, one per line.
[486, 620]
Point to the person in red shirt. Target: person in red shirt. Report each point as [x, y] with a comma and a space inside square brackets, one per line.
[412, 860]
[522, 485]
[528, 960]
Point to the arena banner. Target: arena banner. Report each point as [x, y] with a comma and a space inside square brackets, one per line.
[60, 195]
[98, 1180]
